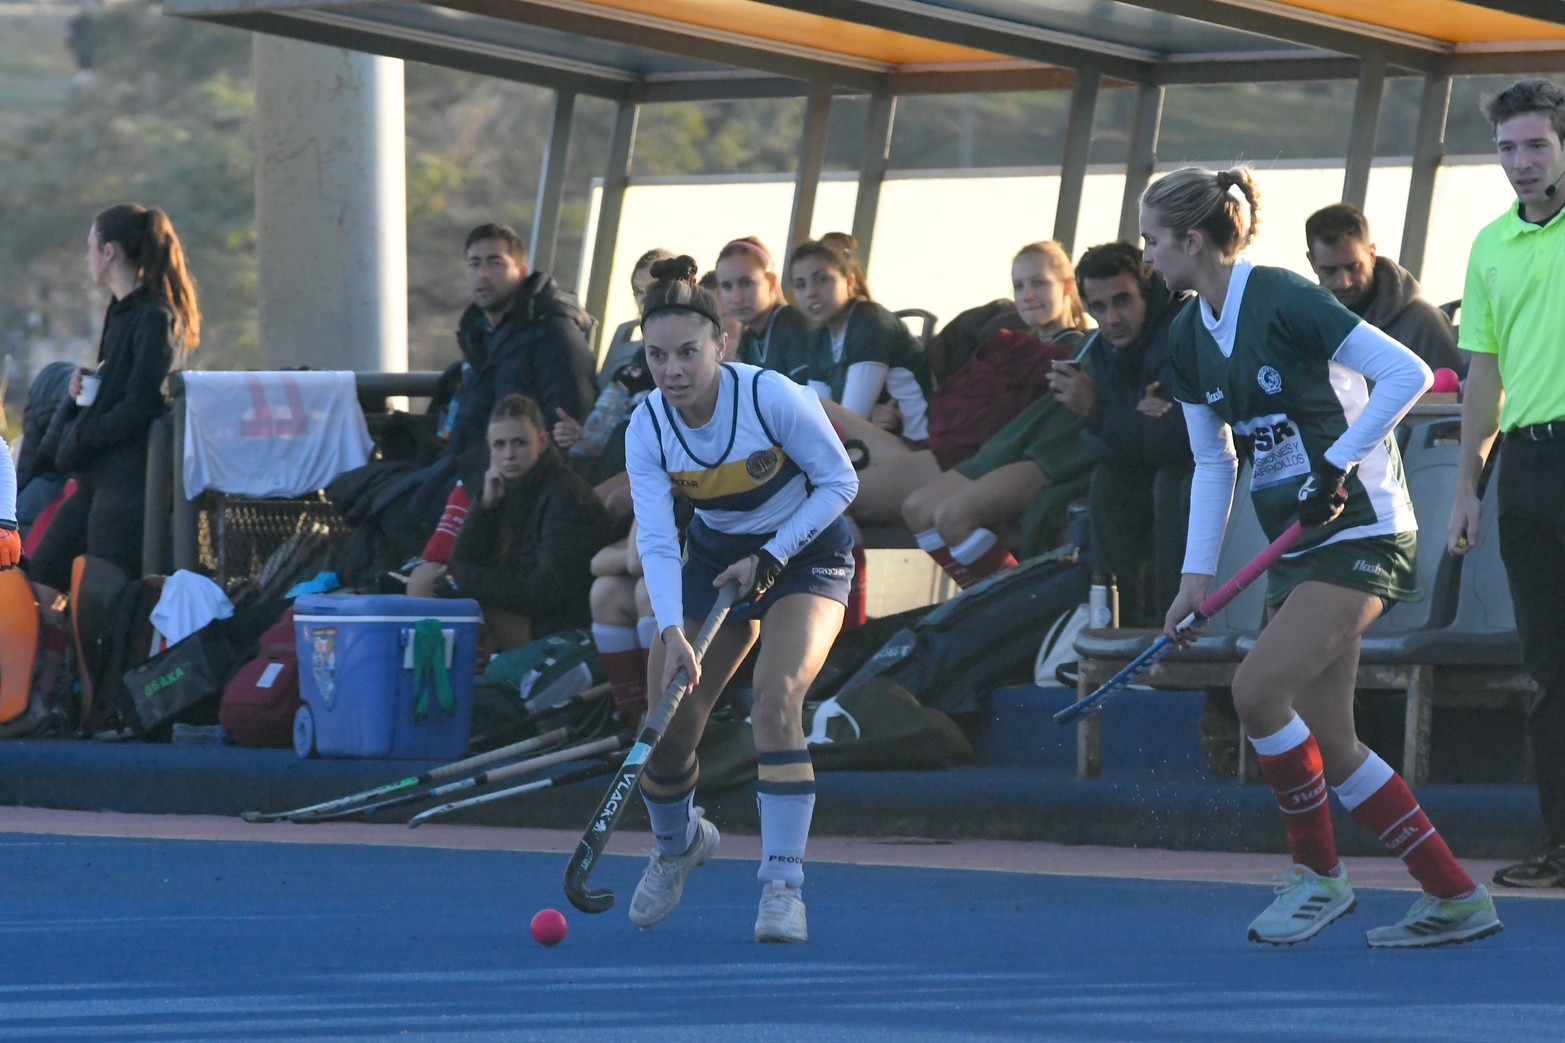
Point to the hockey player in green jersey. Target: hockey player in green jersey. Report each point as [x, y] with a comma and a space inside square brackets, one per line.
[1270, 360]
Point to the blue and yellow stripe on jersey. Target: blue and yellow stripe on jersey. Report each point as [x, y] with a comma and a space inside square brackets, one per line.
[738, 485]
[731, 485]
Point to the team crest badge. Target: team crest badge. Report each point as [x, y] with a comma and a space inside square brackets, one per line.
[1269, 379]
[762, 464]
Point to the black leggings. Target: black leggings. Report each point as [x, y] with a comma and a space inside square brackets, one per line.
[104, 517]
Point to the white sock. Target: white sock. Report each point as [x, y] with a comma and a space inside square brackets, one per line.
[609, 638]
[646, 630]
[929, 540]
[975, 546]
[1284, 739]
[785, 829]
[673, 821]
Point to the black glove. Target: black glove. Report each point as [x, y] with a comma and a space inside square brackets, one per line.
[445, 586]
[1322, 495]
[767, 569]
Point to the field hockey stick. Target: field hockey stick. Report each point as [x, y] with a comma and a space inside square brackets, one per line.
[482, 778]
[565, 778]
[445, 771]
[614, 801]
[1164, 644]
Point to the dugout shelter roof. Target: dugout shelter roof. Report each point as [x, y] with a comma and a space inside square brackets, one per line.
[668, 50]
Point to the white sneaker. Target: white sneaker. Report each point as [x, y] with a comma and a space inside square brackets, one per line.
[663, 882]
[1440, 921]
[781, 917]
[1305, 903]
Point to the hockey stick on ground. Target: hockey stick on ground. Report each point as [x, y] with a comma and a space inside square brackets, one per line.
[445, 771]
[1164, 644]
[614, 801]
[592, 771]
[509, 771]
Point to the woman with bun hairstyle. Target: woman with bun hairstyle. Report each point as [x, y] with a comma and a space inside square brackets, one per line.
[989, 364]
[102, 442]
[858, 349]
[769, 480]
[1273, 361]
[774, 333]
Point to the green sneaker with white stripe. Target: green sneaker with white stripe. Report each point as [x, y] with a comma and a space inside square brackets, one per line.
[1441, 921]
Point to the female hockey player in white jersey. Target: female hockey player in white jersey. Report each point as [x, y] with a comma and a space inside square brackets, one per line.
[1275, 360]
[769, 480]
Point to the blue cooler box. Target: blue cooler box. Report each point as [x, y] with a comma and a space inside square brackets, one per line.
[356, 676]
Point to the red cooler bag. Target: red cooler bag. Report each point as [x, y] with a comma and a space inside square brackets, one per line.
[260, 701]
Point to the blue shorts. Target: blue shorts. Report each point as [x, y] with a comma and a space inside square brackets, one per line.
[824, 567]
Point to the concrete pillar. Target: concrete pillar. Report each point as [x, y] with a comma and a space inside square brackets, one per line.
[330, 208]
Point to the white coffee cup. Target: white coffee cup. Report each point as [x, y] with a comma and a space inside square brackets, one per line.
[89, 392]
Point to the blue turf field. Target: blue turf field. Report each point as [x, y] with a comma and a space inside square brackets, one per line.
[112, 939]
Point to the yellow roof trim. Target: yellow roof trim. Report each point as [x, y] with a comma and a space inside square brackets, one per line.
[1449, 20]
[766, 22]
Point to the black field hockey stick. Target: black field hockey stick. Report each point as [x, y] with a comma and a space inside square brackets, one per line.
[614, 801]
[1164, 644]
[445, 771]
[482, 778]
[565, 778]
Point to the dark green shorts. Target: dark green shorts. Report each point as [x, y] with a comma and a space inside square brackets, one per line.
[1381, 565]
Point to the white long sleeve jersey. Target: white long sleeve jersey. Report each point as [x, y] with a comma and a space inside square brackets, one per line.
[7, 484]
[768, 462]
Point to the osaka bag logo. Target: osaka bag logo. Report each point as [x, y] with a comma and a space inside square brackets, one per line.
[1269, 379]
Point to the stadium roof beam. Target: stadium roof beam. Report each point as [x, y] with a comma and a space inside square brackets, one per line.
[635, 52]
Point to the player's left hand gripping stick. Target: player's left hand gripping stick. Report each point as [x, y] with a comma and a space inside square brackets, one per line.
[1164, 644]
[614, 801]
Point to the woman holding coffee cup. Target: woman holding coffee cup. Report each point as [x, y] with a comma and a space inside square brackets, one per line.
[99, 435]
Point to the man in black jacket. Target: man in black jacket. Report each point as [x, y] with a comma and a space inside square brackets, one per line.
[521, 335]
[1139, 497]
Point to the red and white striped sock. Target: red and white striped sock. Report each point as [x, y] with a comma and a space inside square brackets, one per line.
[625, 665]
[980, 556]
[1380, 801]
[438, 549]
[930, 543]
[1292, 766]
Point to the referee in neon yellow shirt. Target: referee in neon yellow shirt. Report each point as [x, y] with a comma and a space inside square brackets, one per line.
[1513, 324]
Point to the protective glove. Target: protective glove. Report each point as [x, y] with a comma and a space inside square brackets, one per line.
[10, 545]
[1322, 495]
[767, 569]
[445, 586]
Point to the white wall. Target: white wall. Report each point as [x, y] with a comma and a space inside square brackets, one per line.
[945, 242]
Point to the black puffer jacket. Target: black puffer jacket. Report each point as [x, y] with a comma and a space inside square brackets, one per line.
[532, 553]
[50, 387]
[539, 350]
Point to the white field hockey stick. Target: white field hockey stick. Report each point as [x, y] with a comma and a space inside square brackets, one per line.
[445, 771]
[592, 771]
[1164, 644]
[509, 771]
[614, 801]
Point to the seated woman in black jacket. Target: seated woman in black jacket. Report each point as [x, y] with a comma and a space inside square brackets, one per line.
[524, 550]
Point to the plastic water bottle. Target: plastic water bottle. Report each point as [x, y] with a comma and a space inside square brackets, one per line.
[1103, 603]
[612, 405]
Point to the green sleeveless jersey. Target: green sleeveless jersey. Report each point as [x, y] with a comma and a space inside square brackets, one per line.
[1265, 368]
